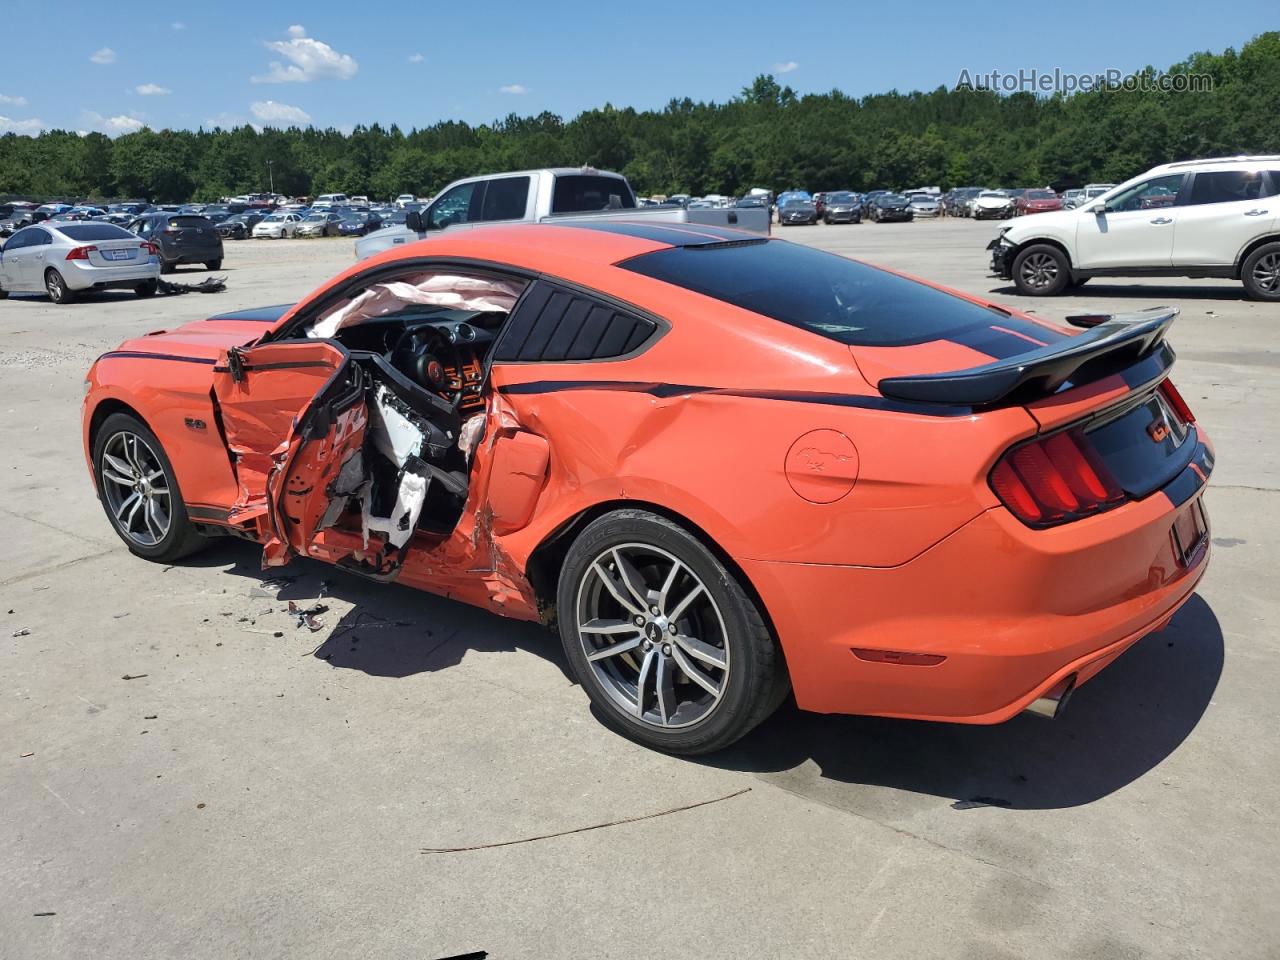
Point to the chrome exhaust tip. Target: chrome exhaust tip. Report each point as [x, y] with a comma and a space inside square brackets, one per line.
[1054, 700]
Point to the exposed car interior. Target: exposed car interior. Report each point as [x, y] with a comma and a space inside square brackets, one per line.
[421, 343]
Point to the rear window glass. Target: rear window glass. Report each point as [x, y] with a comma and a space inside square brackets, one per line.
[831, 296]
[95, 231]
[188, 222]
[576, 193]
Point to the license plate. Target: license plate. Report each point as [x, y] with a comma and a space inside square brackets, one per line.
[118, 254]
[1189, 533]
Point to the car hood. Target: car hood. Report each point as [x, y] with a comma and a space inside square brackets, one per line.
[993, 201]
[204, 340]
[1065, 219]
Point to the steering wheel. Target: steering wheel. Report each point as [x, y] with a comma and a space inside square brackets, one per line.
[418, 355]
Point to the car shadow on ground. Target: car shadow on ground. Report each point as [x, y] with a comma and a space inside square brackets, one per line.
[1095, 290]
[1120, 725]
[1116, 727]
[390, 631]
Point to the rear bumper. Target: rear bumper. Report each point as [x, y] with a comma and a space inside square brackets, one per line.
[80, 275]
[202, 254]
[1001, 613]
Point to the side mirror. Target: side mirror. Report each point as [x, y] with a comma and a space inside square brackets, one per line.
[1098, 207]
[413, 220]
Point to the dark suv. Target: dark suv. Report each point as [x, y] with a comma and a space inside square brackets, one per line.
[181, 238]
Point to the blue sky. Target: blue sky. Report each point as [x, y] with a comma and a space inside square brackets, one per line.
[116, 66]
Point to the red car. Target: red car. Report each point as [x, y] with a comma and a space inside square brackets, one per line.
[1036, 201]
[727, 465]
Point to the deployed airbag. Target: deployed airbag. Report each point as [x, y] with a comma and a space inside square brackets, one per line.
[439, 290]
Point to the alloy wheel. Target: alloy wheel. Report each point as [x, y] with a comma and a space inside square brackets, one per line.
[1266, 273]
[652, 635]
[136, 489]
[1039, 270]
[54, 284]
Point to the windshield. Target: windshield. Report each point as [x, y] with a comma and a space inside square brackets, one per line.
[828, 295]
[891, 198]
[840, 198]
[1041, 195]
[274, 218]
[796, 202]
[995, 195]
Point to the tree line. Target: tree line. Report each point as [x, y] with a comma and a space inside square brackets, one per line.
[768, 136]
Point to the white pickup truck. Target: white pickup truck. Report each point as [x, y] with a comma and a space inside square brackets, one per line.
[545, 196]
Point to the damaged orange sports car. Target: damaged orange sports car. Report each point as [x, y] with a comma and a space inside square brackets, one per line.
[728, 466]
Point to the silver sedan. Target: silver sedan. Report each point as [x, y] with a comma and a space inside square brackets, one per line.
[66, 258]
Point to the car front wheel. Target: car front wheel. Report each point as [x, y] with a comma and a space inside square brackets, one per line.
[139, 491]
[1041, 271]
[213, 264]
[665, 641]
[1261, 273]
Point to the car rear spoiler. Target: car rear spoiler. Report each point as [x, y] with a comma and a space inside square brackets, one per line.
[1109, 345]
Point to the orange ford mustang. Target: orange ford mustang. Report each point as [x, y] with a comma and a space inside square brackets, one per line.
[728, 466]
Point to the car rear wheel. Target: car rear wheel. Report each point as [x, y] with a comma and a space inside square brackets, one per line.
[167, 266]
[57, 287]
[147, 289]
[213, 264]
[1041, 271]
[139, 492]
[666, 643]
[1261, 273]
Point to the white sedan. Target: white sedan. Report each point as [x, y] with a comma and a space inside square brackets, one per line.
[278, 226]
[66, 258]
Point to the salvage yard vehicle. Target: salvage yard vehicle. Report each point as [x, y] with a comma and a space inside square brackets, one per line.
[1036, 201]
[888, 207]
[558, 195]
[180, 238]
[797, 210]
[319, 225]
[991, 204]
[66, 259]
[278, 226]
[923, 205]
[842, 207]
[1198, 218]
[547, 421]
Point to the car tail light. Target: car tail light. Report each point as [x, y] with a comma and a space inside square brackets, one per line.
[80, 253]
[1176, 403]
[1055, 479]
[150, 247]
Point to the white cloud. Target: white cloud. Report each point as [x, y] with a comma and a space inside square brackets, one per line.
[13, 101]
[516, 88]
[309, 59]
[416, 58]
[786, 67]
[227, 121]
[268, 111]
[120, 123]
[152, 90]
[104, 56]
[178, 25]
[31, 126]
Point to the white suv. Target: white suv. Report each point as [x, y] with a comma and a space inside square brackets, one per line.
[1200, 218]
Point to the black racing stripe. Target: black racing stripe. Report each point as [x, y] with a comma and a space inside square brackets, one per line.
[677, 235]
[1189, 482]
[143, 355]
[665, 390]
[256, 314]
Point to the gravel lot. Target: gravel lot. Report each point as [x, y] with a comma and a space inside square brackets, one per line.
[254, 795]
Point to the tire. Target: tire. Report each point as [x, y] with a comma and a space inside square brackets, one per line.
[1260, 273]
[167, 266]
[1041, 270]
[213, 264]
[57, 288]
[147, 289]
[717, 632]
[137, 524]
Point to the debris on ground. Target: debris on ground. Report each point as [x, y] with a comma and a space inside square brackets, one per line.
[24, 632]
[308, 617]
[133, 676]
[974, 803]
[270, 589]
[119, 616]
[151, 716]
[47, 913]
[207, 285]
[24, 756]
